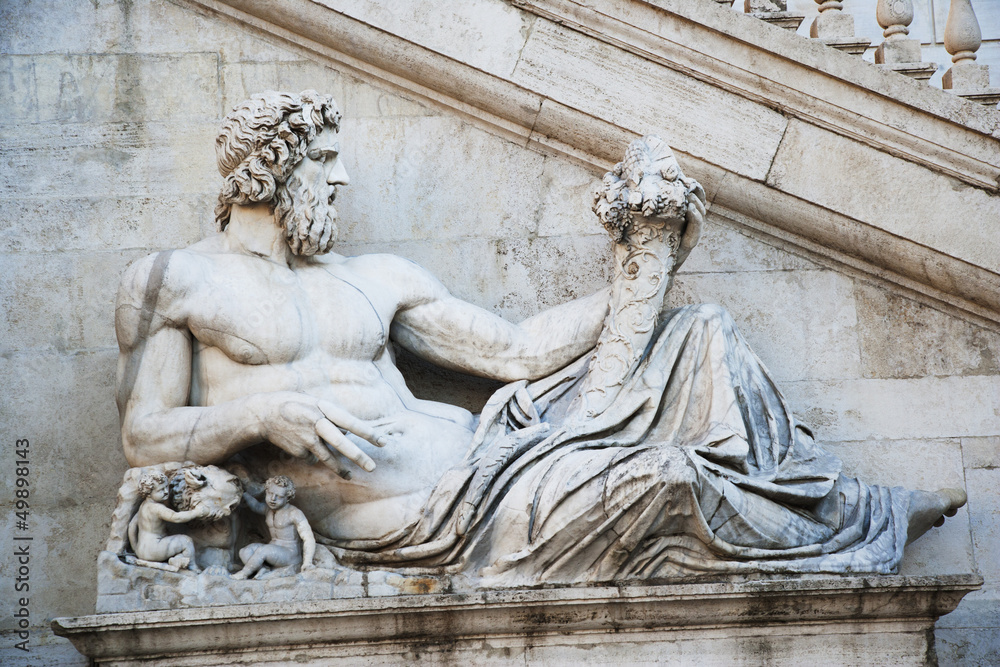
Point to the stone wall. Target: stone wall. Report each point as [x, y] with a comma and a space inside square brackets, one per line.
[109, 111]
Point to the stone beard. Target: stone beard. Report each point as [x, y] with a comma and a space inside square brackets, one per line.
[308, 217]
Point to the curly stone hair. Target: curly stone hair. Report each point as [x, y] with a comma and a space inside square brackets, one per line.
[284, 482]
[150, 481]
[261, 141]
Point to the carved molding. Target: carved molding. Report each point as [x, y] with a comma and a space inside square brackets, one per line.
[897, 609]
[771, 70]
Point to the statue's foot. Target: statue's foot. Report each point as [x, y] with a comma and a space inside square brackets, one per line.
[928, 509]
[180, 561]
[240, 575]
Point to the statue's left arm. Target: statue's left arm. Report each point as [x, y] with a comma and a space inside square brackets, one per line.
[455, 334]
[308, 540]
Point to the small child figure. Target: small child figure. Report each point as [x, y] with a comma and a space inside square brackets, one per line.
[292, 542]
[148, 529]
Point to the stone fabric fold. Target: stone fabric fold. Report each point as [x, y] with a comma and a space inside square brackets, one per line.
[697, 466]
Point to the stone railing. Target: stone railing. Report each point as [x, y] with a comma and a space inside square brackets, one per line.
[897, 52]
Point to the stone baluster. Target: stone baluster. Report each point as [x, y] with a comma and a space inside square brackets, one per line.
[774, 12]
[897, 52]
[835, 28]
[962, 39]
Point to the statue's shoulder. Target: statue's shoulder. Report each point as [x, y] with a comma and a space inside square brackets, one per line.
[386, 266]
[163, 268]
[407, 278]
[163, 279]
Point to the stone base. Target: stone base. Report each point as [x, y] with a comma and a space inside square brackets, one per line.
[787, 20]
[821, 620]
[972, 82]
[856, 46]
[898, 51]
[919, 71]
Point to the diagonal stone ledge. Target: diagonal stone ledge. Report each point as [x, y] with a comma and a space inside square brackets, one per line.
[839, 618]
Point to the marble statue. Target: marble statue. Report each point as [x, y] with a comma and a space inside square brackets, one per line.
[292, 543]
[629, 442]
[147, 530]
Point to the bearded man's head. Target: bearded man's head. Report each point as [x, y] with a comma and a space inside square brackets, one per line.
[259, 145]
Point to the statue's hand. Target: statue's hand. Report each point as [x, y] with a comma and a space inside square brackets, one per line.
[694, 218]
[303, 425]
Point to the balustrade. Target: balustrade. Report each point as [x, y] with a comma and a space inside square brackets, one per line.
[834, 27]
[962, 38]
[897, 52]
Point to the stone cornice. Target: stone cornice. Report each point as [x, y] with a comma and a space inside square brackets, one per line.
[798, 77]
[238, 633]
[756, 100]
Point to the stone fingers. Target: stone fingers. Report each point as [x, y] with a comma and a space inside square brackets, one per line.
[349, 422]
[338, 441]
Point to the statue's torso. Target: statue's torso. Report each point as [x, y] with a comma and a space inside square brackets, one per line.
[321, 329]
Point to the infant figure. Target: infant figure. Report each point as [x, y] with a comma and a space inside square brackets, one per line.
[147, 531]
[292, 543]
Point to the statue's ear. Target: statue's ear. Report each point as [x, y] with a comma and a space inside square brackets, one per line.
[194, 480]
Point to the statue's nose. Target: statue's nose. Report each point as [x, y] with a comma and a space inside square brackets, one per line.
[338, 175]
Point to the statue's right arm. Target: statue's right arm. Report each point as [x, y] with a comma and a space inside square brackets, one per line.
[255, 505]
[154, 382]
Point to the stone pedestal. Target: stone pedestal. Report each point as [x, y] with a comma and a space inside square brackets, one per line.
[836, 28]
[774, 12]
[904, 56]
[814, 619]
[972, 82]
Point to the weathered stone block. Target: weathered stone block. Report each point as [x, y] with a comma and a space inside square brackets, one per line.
[390, 197]
[898, 51]
[109, 159]
[802, 324]
[981, 453]
[725, 247]
[832, 25]
[361, 99]
[111, 87]
[705, 121]
[966, 78]
[240, 80]
[79, 388]
[76, 308]
[928, 407]
[483, 33]
[567, 195]
[911, 200]
[984, 517]
[901, 338]
[104, 223]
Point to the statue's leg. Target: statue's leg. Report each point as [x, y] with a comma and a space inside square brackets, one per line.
[253, 558]
[247, 552]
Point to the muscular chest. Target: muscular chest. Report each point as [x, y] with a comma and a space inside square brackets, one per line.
[260, 313]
